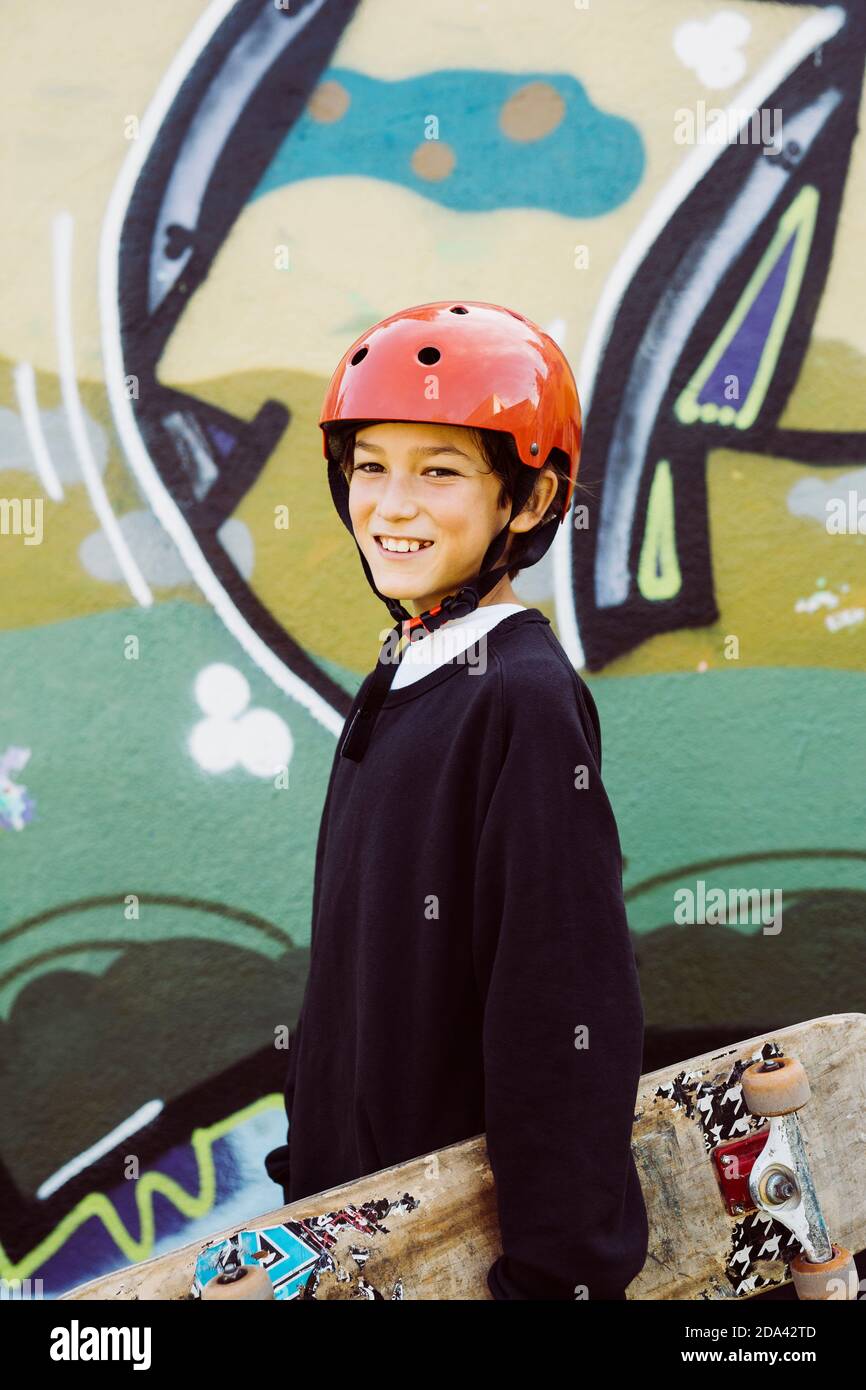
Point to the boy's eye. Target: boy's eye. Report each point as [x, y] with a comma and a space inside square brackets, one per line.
[434, 468]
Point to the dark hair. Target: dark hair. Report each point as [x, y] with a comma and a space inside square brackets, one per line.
[500, 453]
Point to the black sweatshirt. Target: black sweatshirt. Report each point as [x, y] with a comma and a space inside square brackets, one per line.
[471, 969]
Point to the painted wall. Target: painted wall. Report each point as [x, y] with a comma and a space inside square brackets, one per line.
[202, 213]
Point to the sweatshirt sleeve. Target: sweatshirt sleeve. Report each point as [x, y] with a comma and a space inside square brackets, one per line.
[562, 1010]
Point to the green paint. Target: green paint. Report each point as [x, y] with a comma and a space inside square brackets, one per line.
[121, 807]
[703, 770]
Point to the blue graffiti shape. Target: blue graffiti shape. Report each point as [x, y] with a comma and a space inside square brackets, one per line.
[572, 159]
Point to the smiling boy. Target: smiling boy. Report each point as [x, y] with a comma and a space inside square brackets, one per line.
[471, 969]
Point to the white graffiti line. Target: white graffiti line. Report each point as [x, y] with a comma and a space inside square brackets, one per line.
[62, 252]
[164, 507]
[807, 37]
[563, 593]
[143, 1116]
[25, 390]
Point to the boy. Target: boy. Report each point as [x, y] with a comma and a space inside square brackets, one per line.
[471, 969]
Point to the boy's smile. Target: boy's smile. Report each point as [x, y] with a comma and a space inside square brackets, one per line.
[400, 545]
[424, 505]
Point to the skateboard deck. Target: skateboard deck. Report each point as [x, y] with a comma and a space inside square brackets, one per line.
[428, 1229]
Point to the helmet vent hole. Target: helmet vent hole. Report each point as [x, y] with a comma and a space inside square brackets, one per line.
[429, 355]
[359, 356]
[458, 309]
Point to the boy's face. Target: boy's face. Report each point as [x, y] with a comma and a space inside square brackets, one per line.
[422, 482]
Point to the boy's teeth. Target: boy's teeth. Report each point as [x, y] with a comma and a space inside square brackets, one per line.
[388, 544]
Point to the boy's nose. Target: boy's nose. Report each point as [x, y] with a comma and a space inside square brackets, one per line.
[398, 502]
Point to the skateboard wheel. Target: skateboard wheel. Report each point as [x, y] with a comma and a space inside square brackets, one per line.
[250, 1285]
[824, 1281]
[778, 1091]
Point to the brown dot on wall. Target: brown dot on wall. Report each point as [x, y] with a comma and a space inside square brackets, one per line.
[433, 160]
[329, 102]
[532, 112]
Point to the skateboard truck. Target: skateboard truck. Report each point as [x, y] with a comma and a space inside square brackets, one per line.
[781, 1184]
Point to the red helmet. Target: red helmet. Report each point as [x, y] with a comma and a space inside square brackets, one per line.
[494, 370]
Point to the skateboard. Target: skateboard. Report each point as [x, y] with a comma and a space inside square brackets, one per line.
[752, 1161]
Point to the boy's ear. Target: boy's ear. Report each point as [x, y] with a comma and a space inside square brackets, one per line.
[547, 482]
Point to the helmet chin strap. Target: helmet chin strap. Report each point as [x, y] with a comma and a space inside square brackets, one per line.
[357, 736]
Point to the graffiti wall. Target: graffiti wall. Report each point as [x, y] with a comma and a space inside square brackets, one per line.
[202, 214]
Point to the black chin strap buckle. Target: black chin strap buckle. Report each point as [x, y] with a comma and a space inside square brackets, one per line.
[462, 604]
